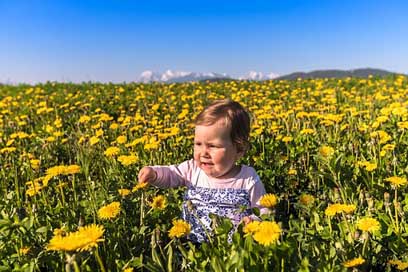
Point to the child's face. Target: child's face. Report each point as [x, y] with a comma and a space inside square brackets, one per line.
[214, 151]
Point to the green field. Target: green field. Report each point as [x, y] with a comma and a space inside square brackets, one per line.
[333, 152]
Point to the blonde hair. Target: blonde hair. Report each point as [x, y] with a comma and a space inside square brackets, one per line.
[235, 117]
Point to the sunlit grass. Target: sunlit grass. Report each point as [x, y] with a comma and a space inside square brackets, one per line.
[331, 153]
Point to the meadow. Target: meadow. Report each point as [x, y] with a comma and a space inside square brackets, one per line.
[332, 154]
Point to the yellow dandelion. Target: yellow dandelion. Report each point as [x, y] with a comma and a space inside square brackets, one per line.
[33, 190]
[333, 209]
[109, 211]
[268, 200]
[370, 166]
[402, 125]
[111, 151]
[268, 233]
[354, 262]
[24, 250]
[159, 202]
[389, 147]
[50, 139]
[123, 192]
[85, 238]
[139, 186]
[292, 172]
[349, 208]
[58, 134]
[10, 142]
[7, 150]
[93, 140]
[368, 224]
[114, 126]
[99, 133]
[81, 140]
[121, 139]
[84, 119]
[306, 199]
[45, 179]
[35, 164]
[397, 181]
[127, 160]
[72, 169]
[55, 171]
[287, 139]
[400, 264]
[307, 131]
[251, 227]
[180, 228]
[129, 269]
[326, 151]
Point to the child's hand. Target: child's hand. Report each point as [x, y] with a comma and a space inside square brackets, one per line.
[147, 174]
[247, 220]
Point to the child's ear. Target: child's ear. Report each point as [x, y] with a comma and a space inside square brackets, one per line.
[240, 152]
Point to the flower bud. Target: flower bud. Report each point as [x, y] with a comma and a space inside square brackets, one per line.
[386, 197]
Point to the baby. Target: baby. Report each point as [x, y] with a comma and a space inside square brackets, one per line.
[215, 183]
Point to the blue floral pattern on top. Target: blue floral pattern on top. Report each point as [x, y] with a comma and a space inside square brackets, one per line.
[200, 202]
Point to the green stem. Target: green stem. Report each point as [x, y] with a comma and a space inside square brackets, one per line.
[365, 245]
[330, 226]
[141, 209]
[62, 194]
[76, 267]
[99, 259]
[74, 190]
[396, 210]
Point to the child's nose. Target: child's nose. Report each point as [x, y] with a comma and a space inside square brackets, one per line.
[206, 151]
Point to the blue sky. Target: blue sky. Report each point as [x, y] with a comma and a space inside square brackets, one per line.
[116, 40]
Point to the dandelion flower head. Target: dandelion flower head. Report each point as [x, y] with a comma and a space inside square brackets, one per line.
[306, 199]
[85, 238]
[179, 229]
[251, 227]
[400, 264]
[368, 224]
[268, 233]
[354, 262]
[112, 151]
[268, 200]
[159, 202]
[123, 192]
[109, 211]
[397, 181]
[139, 186]
[326, 151]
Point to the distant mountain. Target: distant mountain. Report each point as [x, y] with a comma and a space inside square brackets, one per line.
[170, 76]
[361, 73]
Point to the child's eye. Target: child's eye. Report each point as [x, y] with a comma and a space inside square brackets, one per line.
[197, 144]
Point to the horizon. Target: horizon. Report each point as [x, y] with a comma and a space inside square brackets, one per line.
[111, 41]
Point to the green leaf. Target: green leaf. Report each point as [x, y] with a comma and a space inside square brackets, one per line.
[43, 229]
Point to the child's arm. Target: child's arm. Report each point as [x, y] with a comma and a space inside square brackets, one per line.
[255, 194]
[167, 176]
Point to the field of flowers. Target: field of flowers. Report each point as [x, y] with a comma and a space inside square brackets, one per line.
[332, 154]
